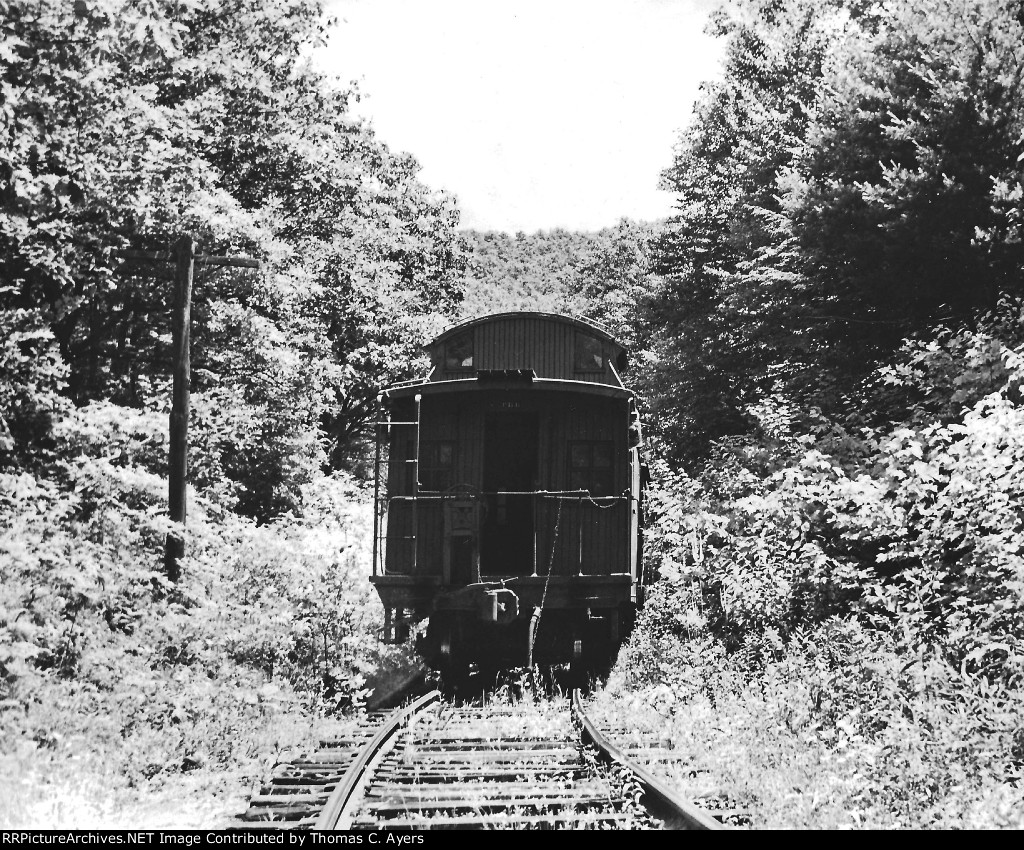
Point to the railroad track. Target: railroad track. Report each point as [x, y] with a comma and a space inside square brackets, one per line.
[435, 765]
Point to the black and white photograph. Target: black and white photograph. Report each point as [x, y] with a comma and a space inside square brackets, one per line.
[555, 415]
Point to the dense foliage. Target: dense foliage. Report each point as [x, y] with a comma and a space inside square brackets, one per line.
[858, 595]
[853, 178]
[601, 275]
[126, 125]
[264, 619]
[827, 343]
[835, 383]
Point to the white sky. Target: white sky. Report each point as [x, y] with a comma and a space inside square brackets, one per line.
[534, 113]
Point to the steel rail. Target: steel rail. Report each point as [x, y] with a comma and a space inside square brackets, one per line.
[336, 809]
[658, 799]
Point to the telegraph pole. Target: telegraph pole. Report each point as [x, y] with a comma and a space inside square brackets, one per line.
[177, 461]
[185, 259]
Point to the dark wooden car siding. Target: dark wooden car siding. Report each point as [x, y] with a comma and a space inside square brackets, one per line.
[562, 418]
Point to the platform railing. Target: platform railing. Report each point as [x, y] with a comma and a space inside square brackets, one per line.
[552, 511]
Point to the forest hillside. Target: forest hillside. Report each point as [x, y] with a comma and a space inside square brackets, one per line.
[826, 339]
[833, 370]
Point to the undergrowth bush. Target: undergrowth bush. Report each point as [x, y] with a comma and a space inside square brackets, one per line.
[101, 655]
[33, 376]
[835, 728]
[846, 597]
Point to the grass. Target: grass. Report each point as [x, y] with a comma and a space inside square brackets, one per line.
[801, 742]
[74, 789]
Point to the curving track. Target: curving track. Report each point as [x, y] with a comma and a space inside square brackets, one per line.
[434, 765]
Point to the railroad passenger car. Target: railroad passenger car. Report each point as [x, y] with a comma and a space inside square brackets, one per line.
[508, 496]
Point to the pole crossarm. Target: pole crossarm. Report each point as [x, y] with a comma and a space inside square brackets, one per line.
[200, 259]
[185, 258]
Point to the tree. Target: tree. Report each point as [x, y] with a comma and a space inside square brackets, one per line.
[612, 278]
[722, 319]
[854, 178]
[127, 126]
[906, 192]
[522, 272]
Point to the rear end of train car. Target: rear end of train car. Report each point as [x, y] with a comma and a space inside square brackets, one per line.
[508, 496]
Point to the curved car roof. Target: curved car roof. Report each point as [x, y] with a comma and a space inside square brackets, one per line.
[585, 324]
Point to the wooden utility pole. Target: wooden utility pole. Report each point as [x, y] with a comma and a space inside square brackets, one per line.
[177, 461]
[185, 259]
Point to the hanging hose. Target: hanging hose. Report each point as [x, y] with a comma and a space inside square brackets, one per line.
[535, 616]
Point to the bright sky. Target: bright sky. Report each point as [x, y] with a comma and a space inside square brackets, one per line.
[534, 113]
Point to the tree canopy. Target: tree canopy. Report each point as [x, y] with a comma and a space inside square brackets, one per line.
[127, 126]
[853, 178]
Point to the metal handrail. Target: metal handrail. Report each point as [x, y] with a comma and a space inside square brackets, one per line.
[437, 495]
[411, 382]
